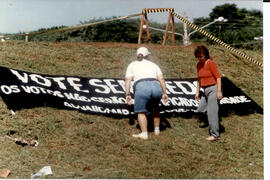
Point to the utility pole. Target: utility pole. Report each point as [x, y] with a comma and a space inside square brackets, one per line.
[186, 40]
[219, 31]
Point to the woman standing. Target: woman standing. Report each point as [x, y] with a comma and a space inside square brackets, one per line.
[149, 88]
[209, 80]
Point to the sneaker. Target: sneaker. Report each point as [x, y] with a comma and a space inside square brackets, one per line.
[140, 136]
[157, 132]
[211, 138]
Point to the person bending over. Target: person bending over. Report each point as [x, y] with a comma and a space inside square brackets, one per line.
[149, 88]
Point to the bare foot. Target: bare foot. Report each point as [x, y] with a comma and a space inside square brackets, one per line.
[211, 138]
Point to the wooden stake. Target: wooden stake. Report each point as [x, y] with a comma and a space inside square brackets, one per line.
[26, 36]
[165, 36]
[144, 22]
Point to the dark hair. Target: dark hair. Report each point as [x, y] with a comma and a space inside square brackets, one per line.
[201, 50]
[139, 57]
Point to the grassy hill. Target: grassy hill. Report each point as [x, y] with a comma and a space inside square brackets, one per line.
[78, 145]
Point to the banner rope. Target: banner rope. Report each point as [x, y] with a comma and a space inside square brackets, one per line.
[217, 40]
[157, 10]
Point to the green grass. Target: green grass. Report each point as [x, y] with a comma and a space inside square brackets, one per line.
[78, 145]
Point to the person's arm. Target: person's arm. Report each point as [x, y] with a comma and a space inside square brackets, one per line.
[219, 92]
[127, 86]
[216, 74]
[197, 95]
[163, 86]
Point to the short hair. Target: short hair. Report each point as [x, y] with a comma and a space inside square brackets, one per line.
[201, 50]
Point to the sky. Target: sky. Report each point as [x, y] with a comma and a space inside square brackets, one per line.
[29, 15]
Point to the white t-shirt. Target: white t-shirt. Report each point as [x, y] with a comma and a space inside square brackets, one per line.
[143, 69]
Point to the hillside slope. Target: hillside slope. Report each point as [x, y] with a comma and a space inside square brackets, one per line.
[78, 145]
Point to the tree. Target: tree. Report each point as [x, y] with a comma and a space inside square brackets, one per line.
[240, 29]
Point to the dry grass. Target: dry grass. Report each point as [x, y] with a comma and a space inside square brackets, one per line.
[78, 145]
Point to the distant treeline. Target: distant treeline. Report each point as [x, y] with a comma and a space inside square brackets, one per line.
[240, 30]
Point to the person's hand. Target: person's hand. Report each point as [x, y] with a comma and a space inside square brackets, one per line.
[165, 98]
[197, 96]
[128, 99]
[219, 95]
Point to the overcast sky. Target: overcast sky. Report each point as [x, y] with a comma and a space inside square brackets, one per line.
[28, 15]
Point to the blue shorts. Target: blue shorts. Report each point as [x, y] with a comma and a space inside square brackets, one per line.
[147, 96]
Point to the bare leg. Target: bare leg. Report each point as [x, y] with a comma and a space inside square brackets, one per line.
[143, 125]
[156, 118]
[142, 121]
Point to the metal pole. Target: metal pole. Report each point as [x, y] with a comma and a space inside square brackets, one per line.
[203, 27]
[162, 30]
[186, 36]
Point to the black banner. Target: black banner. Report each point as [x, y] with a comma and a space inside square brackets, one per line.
[106, 96]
